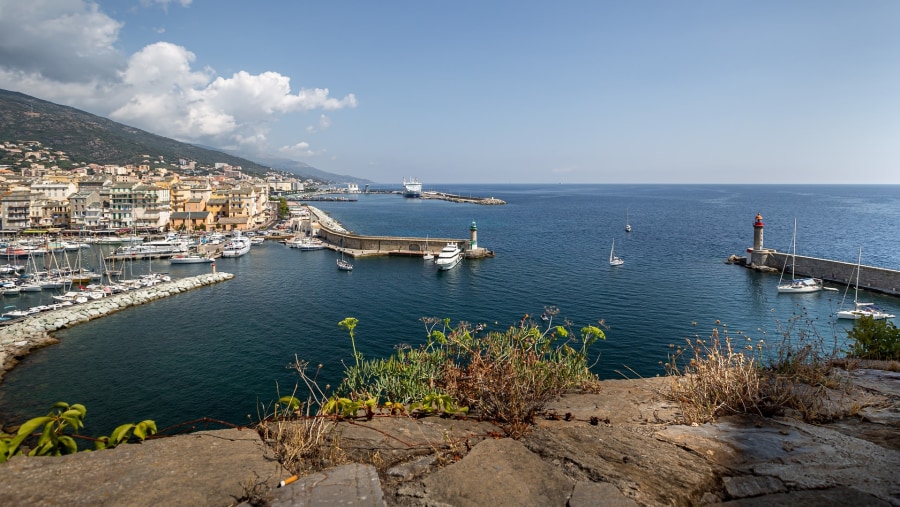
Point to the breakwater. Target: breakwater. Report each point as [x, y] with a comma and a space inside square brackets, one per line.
[20, 337]
[871, 278]
[357, 245]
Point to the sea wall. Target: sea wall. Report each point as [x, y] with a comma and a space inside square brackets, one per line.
[20, 337]
[870, 278]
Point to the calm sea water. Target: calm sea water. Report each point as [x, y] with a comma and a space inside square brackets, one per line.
[222, 351]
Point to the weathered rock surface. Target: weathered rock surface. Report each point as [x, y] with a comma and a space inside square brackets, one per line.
[614, 448]
[206, 468]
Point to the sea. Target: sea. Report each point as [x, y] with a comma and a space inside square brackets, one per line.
[224, 352]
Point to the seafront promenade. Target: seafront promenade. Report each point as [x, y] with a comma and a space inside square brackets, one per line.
[18, 338]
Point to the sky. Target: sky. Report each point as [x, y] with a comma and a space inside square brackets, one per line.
[501, 91]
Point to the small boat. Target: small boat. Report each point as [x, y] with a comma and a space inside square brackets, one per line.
[797, 285]
[449, 257]
[627, 225]
[428, 255]
[257, 240]
[613, 260]
[860, 309]
[192, 258]
[344, 265]
[307, 244]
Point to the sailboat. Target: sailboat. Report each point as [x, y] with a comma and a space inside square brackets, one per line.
[343, 264]
[796, 285]
[627, 225]
[613, 260]
[861, 309]
[428, 255]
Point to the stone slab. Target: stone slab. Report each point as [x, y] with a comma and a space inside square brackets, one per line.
[212, 468]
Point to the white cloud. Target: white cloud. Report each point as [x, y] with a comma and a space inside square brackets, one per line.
[299, 150]
[324, 123]
[64, 51]
[165, 3]
[66, 41]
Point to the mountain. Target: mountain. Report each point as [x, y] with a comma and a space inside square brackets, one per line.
[89, 138]
[302, 169]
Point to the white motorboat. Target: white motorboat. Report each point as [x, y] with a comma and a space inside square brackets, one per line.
[449, 257]
[192, 258]
[307, 244]
[860, 309]
[237, 246]
[797, 285]
[613, 260]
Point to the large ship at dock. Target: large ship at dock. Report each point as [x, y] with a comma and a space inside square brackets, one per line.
[412, 188]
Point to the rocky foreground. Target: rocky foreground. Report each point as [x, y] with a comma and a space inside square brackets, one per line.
[616, 447]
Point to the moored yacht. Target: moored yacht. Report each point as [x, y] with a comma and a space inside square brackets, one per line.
[237, 246]
[449, 257]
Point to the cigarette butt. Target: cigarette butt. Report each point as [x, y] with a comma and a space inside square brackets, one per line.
[287, 481]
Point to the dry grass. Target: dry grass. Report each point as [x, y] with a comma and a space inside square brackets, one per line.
[715, 377]
[302, 439]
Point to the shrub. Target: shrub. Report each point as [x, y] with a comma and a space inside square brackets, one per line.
[504, 375]
[874, 339]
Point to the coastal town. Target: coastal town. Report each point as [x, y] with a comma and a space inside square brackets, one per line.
[41, 188]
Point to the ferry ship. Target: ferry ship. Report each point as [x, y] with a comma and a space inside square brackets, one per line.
[412, 188]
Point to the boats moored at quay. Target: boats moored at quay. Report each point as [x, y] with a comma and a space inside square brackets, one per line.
[449, 257]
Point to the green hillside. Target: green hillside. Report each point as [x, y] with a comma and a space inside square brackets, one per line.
[89, 138]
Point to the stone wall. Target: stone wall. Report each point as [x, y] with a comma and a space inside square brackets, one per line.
[870, 277]
[19, 338]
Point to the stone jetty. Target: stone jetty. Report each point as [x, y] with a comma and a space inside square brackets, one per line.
[20, 337]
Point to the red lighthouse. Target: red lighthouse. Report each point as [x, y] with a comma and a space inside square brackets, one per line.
[758, 233]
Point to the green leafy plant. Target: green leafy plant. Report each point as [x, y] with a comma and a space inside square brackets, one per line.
[125, 432]
[54, 439]
[874, 339]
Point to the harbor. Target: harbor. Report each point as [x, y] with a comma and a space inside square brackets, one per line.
[552, 244]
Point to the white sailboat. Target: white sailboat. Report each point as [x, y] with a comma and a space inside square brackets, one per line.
[343, 264]
[627, 225]
[613, 260]
[859, 309]
[428, 255]
[797, 285]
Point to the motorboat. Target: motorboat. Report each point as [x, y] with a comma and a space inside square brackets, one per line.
[449, 257]
[191, 258]
[613, 260]
[797, 285]
[236, 246]
[307, 244]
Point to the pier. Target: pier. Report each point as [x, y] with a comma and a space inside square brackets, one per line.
[356, 245]
[487, 201]
[871, 278]
[874, 279]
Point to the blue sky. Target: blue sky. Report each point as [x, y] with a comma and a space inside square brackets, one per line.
[488, 91]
